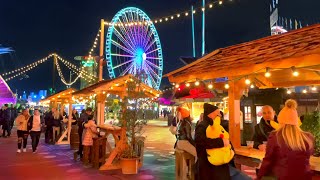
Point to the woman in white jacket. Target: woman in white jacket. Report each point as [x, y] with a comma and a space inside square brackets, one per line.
[22, 127]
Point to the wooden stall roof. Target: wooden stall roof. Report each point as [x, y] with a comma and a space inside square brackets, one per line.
[299, 48]
[114, 86]
[64, 94]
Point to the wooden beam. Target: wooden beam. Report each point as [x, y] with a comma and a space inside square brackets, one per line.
[235, 93]
[262, 82]
[296, 83]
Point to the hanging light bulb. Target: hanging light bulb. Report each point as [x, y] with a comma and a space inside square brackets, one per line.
[220, 2]
[197, 83]
[294, 71]
[304, 91]
[251, 86]
[313, 88]
[247, 81]
[188, 84]
[267, 74]
[227, 86]
[177, 85]
[186, 14]
[210, 86]
[210, 5]
[289, 91]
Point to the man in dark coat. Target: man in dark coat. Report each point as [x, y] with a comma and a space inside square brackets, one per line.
[205, 170]
[82, 120]
[263, 129]
[48, 119]
[5, 121]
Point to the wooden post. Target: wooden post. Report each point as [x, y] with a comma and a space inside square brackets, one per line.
[101, 49]
[235, 93]
[101, 98]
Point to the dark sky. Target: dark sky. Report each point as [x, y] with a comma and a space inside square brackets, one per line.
[36, 28]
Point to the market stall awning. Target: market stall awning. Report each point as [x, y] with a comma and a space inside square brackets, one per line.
[114, 86]
[6, 95]
[60, 96]
[278, 54]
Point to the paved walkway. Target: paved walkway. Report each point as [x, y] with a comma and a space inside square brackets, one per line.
[56, 161]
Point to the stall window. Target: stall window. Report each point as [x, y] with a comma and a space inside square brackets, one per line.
[247, 114]
[259, 113]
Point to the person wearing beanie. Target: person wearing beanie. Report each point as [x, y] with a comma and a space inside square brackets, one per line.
[288, 148]
[184, 138]
[205, 170]
[204, 167]
[263, 129]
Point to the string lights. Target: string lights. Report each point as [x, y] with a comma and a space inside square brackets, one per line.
[26, 68]
[62, 77]
[29, 66]
[95, 44]
[248, 82]
[168, 18]
[70, 66]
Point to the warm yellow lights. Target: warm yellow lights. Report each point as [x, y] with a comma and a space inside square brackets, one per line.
[227, 86]
[247, 81]
[188, 84]
[197, 83]
[267, 74]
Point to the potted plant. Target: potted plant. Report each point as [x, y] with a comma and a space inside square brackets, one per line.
[311, 123]
[131, 105]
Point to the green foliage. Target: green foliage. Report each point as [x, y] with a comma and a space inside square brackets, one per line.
[311, 123]
[131, 105]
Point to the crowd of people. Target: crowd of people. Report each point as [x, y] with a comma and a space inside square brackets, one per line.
[288, 148]
[52, 123]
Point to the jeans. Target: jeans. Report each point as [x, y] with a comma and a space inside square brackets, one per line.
[236, 174]
[80, 144]
[35, 136]
[22, 136]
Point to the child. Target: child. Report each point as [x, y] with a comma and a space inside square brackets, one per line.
[87, 142]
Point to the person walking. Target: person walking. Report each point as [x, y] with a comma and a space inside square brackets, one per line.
[48, 118]
[22, 129]
[288, 148]
[5, 121]
[34, 125]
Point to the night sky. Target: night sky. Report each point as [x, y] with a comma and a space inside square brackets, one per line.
[35, 29]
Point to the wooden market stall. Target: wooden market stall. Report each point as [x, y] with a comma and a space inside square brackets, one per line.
[290, 59]
[100, 90]
[60, 99]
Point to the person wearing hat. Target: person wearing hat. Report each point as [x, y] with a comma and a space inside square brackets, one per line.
[82, 120]
[184, 138]
[288, 148]
[205, 170]
[204, 167]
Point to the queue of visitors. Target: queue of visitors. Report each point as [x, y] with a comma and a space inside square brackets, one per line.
[288, 148]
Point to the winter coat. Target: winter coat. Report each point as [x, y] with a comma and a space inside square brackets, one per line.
[89, 133]
[83, 119]
[261, 132]
[184, 131]
[205, 170]
[75, 116]
[22, 122]
[57, 122]
[284, 163]
[30, 123]
[48, 119]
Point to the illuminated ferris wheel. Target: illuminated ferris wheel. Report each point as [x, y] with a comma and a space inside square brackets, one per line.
[133, 47]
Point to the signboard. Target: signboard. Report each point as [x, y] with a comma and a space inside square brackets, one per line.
[274, 17]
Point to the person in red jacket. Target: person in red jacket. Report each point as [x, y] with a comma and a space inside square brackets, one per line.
[288, 149]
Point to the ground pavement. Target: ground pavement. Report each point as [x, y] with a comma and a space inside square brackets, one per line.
[56, 161]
